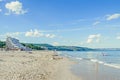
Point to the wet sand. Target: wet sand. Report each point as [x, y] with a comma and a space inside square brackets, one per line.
[94, 71]
[38, 65]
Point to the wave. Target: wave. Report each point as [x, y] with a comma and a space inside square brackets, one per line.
[117, 66]
[95, 60]
[80, 58]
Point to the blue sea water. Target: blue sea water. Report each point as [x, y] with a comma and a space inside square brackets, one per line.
[107, 58]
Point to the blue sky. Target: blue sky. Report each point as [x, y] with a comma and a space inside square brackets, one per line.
[87, 23]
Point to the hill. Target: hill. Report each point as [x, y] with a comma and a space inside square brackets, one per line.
[50, 47]
[60, 48]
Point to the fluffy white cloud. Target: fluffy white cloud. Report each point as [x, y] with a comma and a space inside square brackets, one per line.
[89, 40]
[38, 33]
[15, 7]
[31, 33]
[92, 38]
[96, 23]
[34, 33]
[113, 16]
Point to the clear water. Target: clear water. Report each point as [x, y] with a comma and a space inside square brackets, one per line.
[107, 58]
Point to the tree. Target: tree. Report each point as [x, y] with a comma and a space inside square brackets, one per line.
[2, 44]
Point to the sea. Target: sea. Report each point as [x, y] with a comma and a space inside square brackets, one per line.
[97, 65]
[107, 58]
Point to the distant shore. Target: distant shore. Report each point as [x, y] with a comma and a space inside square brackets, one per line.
[35, 65]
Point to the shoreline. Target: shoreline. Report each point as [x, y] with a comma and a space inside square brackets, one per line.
[92, 68]
[94, 71]
[36, 65]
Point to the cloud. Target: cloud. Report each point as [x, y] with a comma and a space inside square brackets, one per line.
[92, 38]
[50, 35]
[38, 33]
[11, 34]
[15, 7]
[113, 16]
[34, 33]
[89, 40]
[96, 23]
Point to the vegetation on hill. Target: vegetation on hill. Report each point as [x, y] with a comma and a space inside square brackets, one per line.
[62, 48]
[50, 47]
[32, 46]
[2, 44]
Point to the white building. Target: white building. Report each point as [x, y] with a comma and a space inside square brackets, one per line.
[14, 44]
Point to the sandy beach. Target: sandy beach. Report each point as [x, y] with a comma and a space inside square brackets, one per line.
[38, 65]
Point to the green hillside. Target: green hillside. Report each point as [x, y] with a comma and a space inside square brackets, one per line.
[50, 47]
[2, 44]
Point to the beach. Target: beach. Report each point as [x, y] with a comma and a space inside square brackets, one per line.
[35, 65]
[49, 65]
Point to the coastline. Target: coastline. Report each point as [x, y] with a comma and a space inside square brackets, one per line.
[35, 65]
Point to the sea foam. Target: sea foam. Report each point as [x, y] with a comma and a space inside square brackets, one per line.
[117, 66]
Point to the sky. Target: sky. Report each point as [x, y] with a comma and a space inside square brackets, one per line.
[86, 23]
